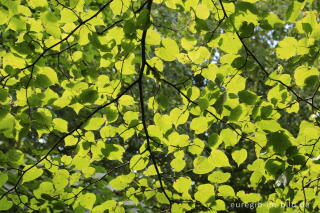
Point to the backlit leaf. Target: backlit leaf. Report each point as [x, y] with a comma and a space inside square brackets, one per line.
[239, 156]
[32, 174]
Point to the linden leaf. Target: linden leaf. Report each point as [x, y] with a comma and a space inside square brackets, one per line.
[32, 174]
[87, 200]
[139, 162]
[239, 156]
[60, 125]
[226, 191]
[219, 177]
[202, 165]
[182, 184]
[3, 179]
[169, 51]
[247, 97]
[5, 204]
[199, 124]
[178, 116]
[205, 193]
[287, 48]
[219, 159]
[202, 11]
[114, 152]
[94, 123]
[229, 137]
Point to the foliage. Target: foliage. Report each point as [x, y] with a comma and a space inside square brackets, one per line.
[159, 105]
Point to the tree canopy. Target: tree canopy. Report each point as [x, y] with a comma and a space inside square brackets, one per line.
[159, 106]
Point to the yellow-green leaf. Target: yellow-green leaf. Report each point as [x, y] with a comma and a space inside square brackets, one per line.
[239, 156]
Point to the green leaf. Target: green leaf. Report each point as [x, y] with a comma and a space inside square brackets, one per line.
[210, 73]
[111, 113]
[229, 137]
[5, 204]
[226, 191]
[202, 165]
[199, 55]
[130, 29]
[46, 77]
[114, 152]
[60, 179]
[88, 96]
[199, 125]
[247, 97]
[239, 156]
[266, 111]
[68, 16]
[256, 178]
[99, 98]
[126, 100]
[32, 174]
[178, 163]
[179, 116]
[279, 142]
[269, 125]
[246, 29]
[214, 141]
[154, 38]
[7, 125]
[182, 184]
[303, 73]
[287, 48]
[163, 122]
[139, 162]
[178, 208]
[205, 193]
[11, 60]
[143, 21]
[275, 167]
[60, 125]
[44, 188]
[94, 123]
[161, 198]
[197, 147]
[16, 24]
[87, 200]
[43, 118]
[219, 177]
[108, 131]
[169, 51]
[176, 139]
[3, 95]
[236, 84]
[131, 118]
[236, 113]
[121, 181]
[193, 93]
[219, 104]
[248, 198]
[15, 156]
[70, 140]
[3, 179]
[202, 11]
[37, 3]
[230, 43]
[295, 9]
[151, 171]
[4, 110]
[219, 159]
[107, 205]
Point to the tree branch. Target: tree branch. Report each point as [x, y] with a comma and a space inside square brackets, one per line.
[289, 88]
[67, 134]
[143, 114]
